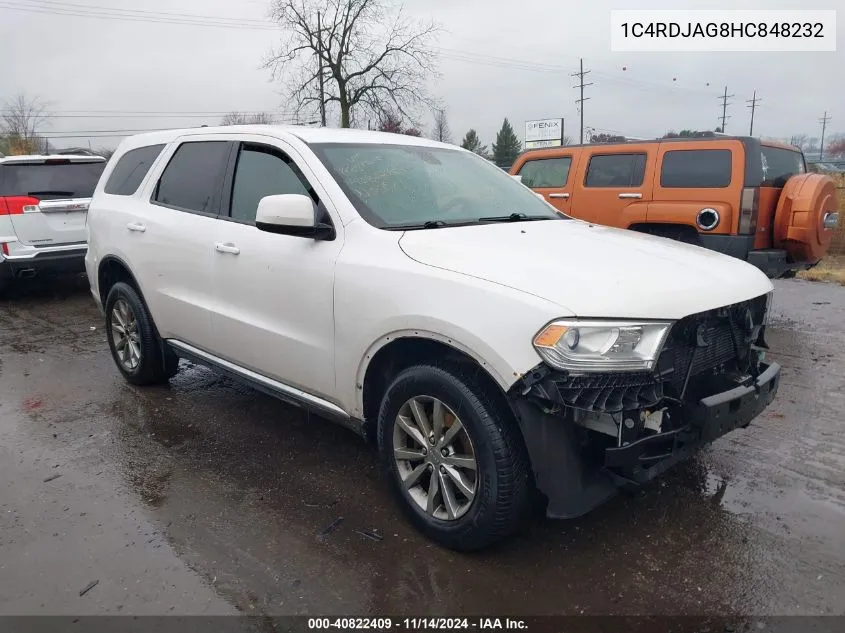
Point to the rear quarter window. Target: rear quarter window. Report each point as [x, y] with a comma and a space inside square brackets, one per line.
[131, 169]
[779, 165]
[546, 172]
[696, 168]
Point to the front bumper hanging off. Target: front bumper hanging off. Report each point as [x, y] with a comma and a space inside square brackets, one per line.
[711, 418]
[575, 481]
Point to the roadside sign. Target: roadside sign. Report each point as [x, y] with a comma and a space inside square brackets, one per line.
[543, 133]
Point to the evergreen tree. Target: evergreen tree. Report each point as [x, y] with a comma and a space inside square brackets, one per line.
[473, 144]
[507, 146]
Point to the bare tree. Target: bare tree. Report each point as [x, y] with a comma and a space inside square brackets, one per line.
[239, 118]
[390, 122]
[21, 120]
[798, 140]
[364, 56]
[441, 130]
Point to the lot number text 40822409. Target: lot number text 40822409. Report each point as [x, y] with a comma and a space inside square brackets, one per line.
[417, 624]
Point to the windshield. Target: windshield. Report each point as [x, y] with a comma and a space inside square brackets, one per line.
[399, 186]
[50, 181]
[779, 165]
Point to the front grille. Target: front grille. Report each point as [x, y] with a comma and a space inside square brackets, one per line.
[609, 392]
[723, 331]
[728, 342]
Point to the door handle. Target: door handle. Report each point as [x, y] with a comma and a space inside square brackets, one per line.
[228, 247]
[135, 226]
[630, 195]
[559, 195]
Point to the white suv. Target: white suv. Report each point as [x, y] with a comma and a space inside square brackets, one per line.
[416, 293]
[43, 202]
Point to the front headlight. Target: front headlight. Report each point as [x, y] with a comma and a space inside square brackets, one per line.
[596, 346]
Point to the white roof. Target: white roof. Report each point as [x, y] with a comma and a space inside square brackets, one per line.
[40, 158]
[304, 133]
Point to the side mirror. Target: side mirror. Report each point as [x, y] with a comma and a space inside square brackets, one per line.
[291, 214]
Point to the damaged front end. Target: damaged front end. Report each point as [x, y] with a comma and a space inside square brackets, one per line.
[587, 433]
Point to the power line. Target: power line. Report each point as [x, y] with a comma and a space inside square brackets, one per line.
[753, 101]
[141, 116]
[581, 74]
[85, 7]
[823, 121]
[110, 14]
[70, 9]
[725, 105]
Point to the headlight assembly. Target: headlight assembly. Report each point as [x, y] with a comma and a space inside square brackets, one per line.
[601, 346]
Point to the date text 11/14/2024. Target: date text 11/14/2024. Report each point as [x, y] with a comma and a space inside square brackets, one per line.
[416, 624]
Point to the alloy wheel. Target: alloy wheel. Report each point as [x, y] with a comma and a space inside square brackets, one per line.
[435, 458]
[124, 332]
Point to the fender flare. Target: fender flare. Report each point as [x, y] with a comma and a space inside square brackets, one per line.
[418, 333]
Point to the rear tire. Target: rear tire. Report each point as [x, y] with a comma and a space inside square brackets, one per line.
[135, 345]
[432, 468]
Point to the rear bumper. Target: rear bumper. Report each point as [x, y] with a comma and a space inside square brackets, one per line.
[64, 259]
[711, 418]
[772, 261]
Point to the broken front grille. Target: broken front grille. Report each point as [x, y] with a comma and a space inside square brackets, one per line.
[708, 340]
[606, 392]
[696, 344]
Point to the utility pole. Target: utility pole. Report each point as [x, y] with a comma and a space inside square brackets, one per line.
[725, 105]
[823, 121]
[753, 101]
[320, 71]
[581, 101]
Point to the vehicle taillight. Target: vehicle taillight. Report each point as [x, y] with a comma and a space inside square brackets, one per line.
[13, 205]
[749, 206]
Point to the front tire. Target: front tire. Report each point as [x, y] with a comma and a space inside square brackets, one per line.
[135, 346]
[453, 456]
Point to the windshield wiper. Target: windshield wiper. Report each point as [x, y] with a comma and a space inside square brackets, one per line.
[429, 224]
[50, 192]
[515, 217]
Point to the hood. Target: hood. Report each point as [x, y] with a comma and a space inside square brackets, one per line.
[591, 270]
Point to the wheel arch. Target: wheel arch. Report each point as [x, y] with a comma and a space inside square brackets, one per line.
[111, 270]
[396, 351]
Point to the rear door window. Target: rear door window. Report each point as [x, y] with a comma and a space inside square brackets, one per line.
[615, 170]
[55, 179]
[131, 169]
[193, 179]
[546, 172]
[696, 168]
[779, 165]
[262, 171]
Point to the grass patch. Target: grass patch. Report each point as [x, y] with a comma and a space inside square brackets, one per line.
[831, 268]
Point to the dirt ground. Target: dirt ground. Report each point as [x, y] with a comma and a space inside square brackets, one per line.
[205, 497]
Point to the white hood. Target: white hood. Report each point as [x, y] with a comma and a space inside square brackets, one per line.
[591, 270]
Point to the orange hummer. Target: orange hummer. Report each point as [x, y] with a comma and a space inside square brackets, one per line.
[741, 196]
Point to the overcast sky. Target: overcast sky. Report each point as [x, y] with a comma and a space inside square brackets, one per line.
[91, 69]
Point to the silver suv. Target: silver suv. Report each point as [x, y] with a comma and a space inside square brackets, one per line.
[43, 206]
